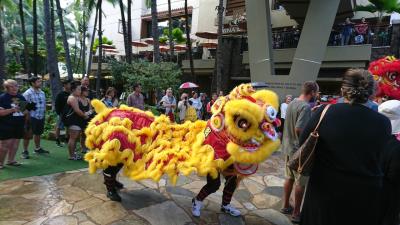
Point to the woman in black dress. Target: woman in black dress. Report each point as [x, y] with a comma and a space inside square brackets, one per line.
[346, 181]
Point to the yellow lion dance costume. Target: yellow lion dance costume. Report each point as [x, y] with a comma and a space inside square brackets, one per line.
[241, 132]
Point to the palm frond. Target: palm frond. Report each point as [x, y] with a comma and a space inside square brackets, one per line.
[366, 8]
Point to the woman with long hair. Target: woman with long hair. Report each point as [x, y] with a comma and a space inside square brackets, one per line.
[110, 99]
[75, 119]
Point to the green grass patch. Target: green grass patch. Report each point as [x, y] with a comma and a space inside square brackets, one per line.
[44, 164]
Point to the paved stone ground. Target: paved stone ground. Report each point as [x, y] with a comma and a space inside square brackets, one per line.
[76, 197]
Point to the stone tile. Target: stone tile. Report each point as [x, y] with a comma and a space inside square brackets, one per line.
[87, 203]
[249, 206]
[253, 187]
[255, 220]
[10, 186]
[90, 182]
[275, 191]
[162, 182]
[149, 183]
[66, 179]
[62, 220]
[273, 216]
[195, 185]
[137, 199]
[37, 195]
[73, 194]
[17, 208]
[257, 178]
[60, 208]
[160, 214]
[106, 213]
[265, 201]
[272, 180]
[207, 217]
[101, 196]
[225, 219]
[87, 223]
[29, 188]
[37, 221]
[180, 191]
[182, 180]
[80, 216]
[131, 220]
[243, 195]
[12, 222]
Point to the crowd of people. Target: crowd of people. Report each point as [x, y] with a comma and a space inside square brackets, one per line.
[355, 176]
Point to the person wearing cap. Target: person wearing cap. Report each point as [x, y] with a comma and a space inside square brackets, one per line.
[61, 102]
[391, 166]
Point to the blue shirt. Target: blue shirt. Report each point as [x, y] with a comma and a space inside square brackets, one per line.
[39, 99]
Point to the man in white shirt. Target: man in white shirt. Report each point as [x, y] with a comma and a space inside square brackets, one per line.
[196, 103]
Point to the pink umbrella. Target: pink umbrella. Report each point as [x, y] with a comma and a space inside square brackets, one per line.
[188, 85]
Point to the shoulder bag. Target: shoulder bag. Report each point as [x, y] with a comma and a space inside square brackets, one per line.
[303, 159]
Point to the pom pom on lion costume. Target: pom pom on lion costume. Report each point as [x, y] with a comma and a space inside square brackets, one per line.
[241, 132]
[386, 72]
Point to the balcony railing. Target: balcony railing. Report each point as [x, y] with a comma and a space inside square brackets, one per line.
[376, 36]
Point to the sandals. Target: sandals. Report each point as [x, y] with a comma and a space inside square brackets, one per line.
[287, 211]
[15, 163]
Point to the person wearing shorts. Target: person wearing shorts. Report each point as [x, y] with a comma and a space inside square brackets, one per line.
[298, 113]
[35, 125]
[11, 123]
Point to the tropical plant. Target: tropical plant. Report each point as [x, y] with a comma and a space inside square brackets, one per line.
[124, 29]
[35, 38]
[65, 40]
[129, 44]
[12, 68]
[219, 62]
[105, 40]
[52, 64]
[188, 41]
[171, 40]
[24, 41]
[151, 76]
[100, 60]
[3, 4]
[154, 26]
[176, 37]
[381, 7]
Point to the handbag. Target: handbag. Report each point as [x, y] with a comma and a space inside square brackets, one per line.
[303, 159]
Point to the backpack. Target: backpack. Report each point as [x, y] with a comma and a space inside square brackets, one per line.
[191, 114]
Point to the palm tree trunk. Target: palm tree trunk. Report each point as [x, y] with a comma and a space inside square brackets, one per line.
[52, 65]
[26, 52]
[100, 32]
[154, 26]
[2, 54]
[89, 66]
[124, 31]
[80, 55]
[130, 31]
[35, 39]
[219, 48]
[171, 40]
[65, 41]
[84, 45]
[189, 42]
[53, 22]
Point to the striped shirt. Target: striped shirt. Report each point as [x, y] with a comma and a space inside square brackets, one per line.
[39, 98]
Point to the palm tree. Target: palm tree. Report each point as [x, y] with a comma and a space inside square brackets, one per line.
[24, 41]
[100, 32]
[188, 41]
[52, 64]
[88, 68]
[219, 62]
[129, 44]
[65, 40]
[124, 29]
[381, 7]
[154, 26]
[3, 4]
[2, 54]
[35, 38]
[171, 40]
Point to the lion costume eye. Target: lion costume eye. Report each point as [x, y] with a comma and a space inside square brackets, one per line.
[392, 76]
[270, 113]
[242, 123]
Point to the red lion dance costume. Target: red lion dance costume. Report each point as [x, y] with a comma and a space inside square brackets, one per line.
[386, 73]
